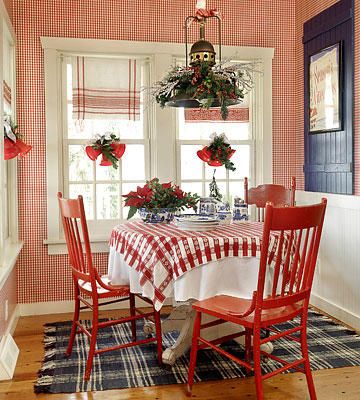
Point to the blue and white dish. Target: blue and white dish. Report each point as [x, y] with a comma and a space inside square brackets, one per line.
[156, 216]
[224, 217]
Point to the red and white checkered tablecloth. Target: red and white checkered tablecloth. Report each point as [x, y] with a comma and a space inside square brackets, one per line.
[163, 252]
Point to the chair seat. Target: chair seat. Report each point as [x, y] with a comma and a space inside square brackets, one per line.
[122, 291]
[226, 308]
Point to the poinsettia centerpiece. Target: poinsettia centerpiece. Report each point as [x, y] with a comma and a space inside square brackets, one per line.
[155, 196]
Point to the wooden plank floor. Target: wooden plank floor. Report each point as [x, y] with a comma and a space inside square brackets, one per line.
[333, 384]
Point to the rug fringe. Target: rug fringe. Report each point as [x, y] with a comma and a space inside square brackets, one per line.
[51, 329]
[49, 341]
[50, 354]
[43, 384]
[47, 365]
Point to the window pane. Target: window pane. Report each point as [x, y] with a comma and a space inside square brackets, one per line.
[220, 172]
[133, 163]
[236, 189]
[106, 173]
[86, 190]
[193, 187]
[191, 165]
[88, 128]
[241, 159]
[80, 165]
[107, 201]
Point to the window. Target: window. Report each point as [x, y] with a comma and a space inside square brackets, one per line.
[9, 246]
[102, 187]
[194, 174]
[163, 143]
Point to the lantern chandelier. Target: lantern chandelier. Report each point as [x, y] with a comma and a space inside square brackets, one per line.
[202, 83]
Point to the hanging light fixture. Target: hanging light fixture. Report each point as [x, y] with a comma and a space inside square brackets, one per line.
[202, 82]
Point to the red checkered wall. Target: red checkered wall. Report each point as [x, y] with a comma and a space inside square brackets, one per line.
[306, 9]
[247, 22]
[8, 6]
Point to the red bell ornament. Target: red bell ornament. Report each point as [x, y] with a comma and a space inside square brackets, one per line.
[92, 153]
[215, 163]
[204, 154]
[23, 147]
[118, 149]
[230, 152]
[105, 162]
[10, 149]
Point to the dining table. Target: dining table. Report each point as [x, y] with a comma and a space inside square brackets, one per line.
[167, 264]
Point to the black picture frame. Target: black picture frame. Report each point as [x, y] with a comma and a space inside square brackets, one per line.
[325, 90]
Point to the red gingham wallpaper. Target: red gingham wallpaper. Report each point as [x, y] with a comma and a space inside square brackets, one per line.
[306, 9]
[8, 5]
[247, 22]
[7, 292]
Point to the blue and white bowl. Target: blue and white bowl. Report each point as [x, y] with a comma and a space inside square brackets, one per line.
[156, 216]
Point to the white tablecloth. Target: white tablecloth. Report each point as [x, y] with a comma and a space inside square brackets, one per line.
[233, 276]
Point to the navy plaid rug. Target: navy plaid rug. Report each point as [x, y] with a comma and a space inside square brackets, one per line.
[330, 346]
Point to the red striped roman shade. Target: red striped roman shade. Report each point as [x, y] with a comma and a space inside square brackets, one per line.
[105, 88]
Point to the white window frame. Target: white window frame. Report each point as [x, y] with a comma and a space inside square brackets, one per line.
[162, 126]
[9, 243]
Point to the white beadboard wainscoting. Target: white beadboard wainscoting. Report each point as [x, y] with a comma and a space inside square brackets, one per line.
[336, 288]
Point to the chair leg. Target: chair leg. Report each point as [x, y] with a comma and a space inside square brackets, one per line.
[74, 326]
[94, 331]
[133, 313]
[247, 345]
[194, 350]
[257, 365]
[158, 335]
[305, 354]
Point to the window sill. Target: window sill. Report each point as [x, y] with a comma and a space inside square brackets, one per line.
[11, 254]
[58, 246]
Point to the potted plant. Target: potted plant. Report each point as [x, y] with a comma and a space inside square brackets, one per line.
[158, 202]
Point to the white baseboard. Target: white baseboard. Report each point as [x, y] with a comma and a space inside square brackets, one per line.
[14, 319]
[336, 311]
[58, 307]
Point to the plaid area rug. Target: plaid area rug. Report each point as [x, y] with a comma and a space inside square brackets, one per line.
[330, 346]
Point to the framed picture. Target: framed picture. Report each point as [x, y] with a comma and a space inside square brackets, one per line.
[325, 91]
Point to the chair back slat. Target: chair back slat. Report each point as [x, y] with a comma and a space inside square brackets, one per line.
[76, 233]
[277, 264]
[296, 233]
[287, 266]
[278, 195]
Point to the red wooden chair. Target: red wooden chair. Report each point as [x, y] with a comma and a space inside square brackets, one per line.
[88, 283]
[278, 195]
[298, 230]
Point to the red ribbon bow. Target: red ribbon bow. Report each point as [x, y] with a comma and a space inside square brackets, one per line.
[202, 13]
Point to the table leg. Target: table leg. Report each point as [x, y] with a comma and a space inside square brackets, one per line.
[182, 319]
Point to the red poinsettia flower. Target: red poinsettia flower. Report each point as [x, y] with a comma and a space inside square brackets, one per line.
[145, 192]
[179, 193]
[134, 202]
[166, 185]
[130, 194]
